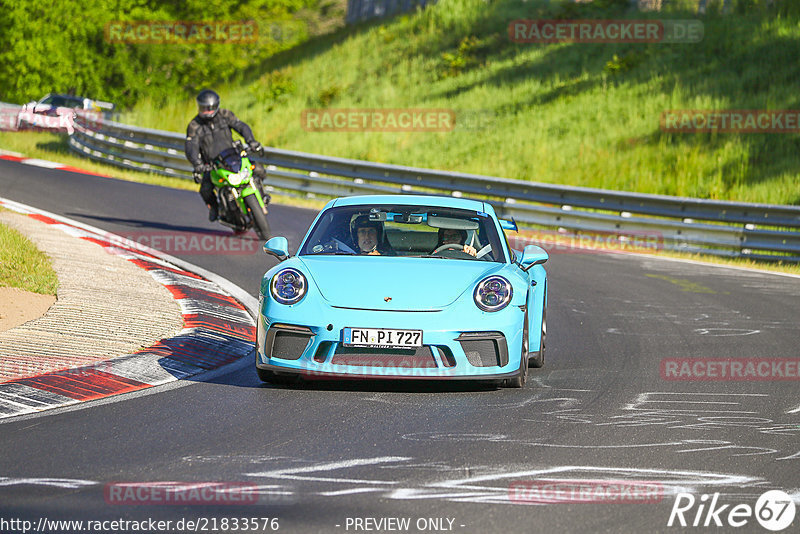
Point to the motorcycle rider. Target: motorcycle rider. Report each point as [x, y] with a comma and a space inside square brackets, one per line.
[208, 134]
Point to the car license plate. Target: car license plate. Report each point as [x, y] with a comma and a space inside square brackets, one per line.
[381, 337]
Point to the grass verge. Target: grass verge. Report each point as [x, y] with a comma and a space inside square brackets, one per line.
[24, 266]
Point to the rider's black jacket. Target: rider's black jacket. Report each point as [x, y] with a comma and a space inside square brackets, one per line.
[205, 139]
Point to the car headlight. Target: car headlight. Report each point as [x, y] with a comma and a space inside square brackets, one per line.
[493, 293]
[288, 286]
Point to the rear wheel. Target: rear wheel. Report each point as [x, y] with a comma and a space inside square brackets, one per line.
[538, 360]
[260, 223]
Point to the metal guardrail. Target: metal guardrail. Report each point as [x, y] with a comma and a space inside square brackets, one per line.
[361, 10]
[758, 231]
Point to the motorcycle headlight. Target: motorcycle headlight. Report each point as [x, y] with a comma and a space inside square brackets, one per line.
[235, 179]
[493, 293]
[288, 286]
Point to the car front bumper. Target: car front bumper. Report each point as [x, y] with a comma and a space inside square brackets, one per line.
[457, 343]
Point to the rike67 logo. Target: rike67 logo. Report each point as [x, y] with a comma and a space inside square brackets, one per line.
[774, 510]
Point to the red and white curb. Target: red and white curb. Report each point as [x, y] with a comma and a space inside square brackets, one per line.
[218, 329]
[14, 156]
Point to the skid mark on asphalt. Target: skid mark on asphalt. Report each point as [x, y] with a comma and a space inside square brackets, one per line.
[680, 445]
[300, 473]
[731, 424]
[761, 283]
[415, 479]
[494, 484]
[65, 483]
[701, 318]
[685, 285]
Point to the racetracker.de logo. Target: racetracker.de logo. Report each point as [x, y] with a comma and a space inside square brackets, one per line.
[189, 243]
[730, 121]
[585, 491]
[180, 32]
[730, 369]
[605, 31]
[378, 120]
[9, 118]
[180, 493]
[631, 241]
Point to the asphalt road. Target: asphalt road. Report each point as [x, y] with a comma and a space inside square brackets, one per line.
[341, 457]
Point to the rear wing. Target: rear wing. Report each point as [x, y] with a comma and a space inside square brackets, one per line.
[99, 104]
[509, 225]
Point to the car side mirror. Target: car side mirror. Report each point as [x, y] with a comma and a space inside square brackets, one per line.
[532, 255]
[278, 247]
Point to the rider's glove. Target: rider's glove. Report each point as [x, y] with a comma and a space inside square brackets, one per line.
[198, 173]
[255, 146]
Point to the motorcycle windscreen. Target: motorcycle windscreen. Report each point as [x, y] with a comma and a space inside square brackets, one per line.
[231, 159]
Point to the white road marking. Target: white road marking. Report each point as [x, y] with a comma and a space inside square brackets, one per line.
[42, 163]
[68, 483]
[350, 491]
[294, 473]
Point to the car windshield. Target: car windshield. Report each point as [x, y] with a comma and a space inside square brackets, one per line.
[405, 231]
[59, 101]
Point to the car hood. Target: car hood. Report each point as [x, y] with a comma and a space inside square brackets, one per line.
[390, 283]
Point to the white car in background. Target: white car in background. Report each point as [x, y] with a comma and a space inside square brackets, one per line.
[57, 112]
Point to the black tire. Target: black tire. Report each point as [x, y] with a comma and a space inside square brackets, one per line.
[520, 380]
[538, 360]
[274, 378]
[264, 375]
[260, 224]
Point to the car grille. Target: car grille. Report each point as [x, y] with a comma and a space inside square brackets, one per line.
[422, 357]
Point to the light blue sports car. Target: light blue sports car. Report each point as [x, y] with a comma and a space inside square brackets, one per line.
[403, 287]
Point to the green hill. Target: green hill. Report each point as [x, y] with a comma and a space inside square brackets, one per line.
[567, 113]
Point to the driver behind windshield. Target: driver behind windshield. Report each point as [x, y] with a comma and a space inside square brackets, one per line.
[370, 238]
[452, 236]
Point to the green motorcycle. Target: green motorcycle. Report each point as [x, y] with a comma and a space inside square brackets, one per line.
[240, 195]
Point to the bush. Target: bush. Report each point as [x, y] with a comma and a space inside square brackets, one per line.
[41, 51]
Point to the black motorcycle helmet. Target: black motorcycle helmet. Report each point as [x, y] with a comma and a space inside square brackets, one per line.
[207, 104]
[363, 221]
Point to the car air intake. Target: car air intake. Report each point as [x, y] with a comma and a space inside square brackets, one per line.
[287, 342]
[484, 349]
[322, 351]
[421, 357]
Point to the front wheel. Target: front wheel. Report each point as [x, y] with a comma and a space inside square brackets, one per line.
[259, 220]
[274, 378]
[538, 360]
[519, 380]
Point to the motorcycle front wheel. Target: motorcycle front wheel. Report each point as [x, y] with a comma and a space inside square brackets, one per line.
[259, 220]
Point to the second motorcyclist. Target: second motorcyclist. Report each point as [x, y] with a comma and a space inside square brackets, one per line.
[208, 134]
